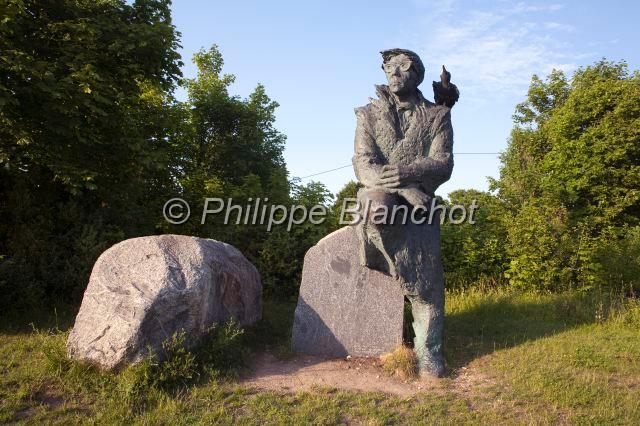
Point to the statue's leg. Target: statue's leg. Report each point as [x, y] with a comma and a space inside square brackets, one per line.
[428, 326]
[374, 237]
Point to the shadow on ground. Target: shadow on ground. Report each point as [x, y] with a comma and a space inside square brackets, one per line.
[476, 325]
[481, 325]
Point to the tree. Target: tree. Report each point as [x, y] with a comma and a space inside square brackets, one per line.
[227, 147]
[77, 83]
[348, 191]
[282, 254]
[85, 89]
[570, 177]
[473, 252]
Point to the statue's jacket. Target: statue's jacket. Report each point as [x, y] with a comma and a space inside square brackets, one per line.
[423, 141]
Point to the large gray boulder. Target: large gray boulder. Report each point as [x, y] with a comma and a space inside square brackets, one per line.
[144, 290]
[343, 307]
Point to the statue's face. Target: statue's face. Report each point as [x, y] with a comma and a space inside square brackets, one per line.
[401, 76]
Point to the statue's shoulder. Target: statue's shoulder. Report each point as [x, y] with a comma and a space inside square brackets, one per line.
[363, 111]
[438, 112]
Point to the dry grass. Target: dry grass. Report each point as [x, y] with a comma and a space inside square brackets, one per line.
[402, 363]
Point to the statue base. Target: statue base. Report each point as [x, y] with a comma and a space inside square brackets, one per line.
[344, 308]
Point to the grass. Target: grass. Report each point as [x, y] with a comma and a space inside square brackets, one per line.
[402, 362]
[527, 358]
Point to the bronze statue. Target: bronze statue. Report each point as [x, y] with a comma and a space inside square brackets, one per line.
[403, 153]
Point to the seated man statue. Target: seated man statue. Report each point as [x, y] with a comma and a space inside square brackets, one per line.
[403, 152]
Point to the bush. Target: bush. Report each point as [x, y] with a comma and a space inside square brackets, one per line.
[618, 262]
[473, 253]
[570, 178]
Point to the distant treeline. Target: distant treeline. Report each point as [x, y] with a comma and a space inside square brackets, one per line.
[93, 143]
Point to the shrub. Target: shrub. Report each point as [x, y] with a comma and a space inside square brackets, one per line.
[618, 262]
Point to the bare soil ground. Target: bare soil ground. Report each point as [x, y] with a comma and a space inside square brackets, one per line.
[302, 372]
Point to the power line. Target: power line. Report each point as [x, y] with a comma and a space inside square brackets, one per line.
[349, 165]
[326, 171]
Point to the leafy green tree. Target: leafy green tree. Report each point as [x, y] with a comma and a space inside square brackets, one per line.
[229, 138]
[618, 261]
[227, 148]
[282, 255]
[85, 117]
[348, 191]
[570, 177]
[474, 250]
[78, 83]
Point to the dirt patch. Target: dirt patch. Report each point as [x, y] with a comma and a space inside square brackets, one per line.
[302, 372]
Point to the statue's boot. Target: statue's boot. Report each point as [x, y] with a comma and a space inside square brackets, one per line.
[428, 323]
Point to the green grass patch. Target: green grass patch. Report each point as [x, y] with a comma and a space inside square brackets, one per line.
[530, 358]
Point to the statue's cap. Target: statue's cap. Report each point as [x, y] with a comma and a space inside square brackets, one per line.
[415, 60]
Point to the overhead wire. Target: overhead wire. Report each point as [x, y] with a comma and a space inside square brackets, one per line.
[349, 165]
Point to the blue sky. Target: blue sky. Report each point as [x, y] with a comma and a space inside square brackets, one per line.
[321, 59]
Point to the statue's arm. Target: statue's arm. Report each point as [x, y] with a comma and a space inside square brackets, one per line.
[367, 163]
[435, 169]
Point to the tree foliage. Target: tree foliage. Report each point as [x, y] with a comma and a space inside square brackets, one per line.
[282, 255]
[84, 90]
[92, 143]
[474, 252]
[227, 147]
[79, 82]
[570, 177]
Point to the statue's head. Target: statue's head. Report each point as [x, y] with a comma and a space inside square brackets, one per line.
[404, 70]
